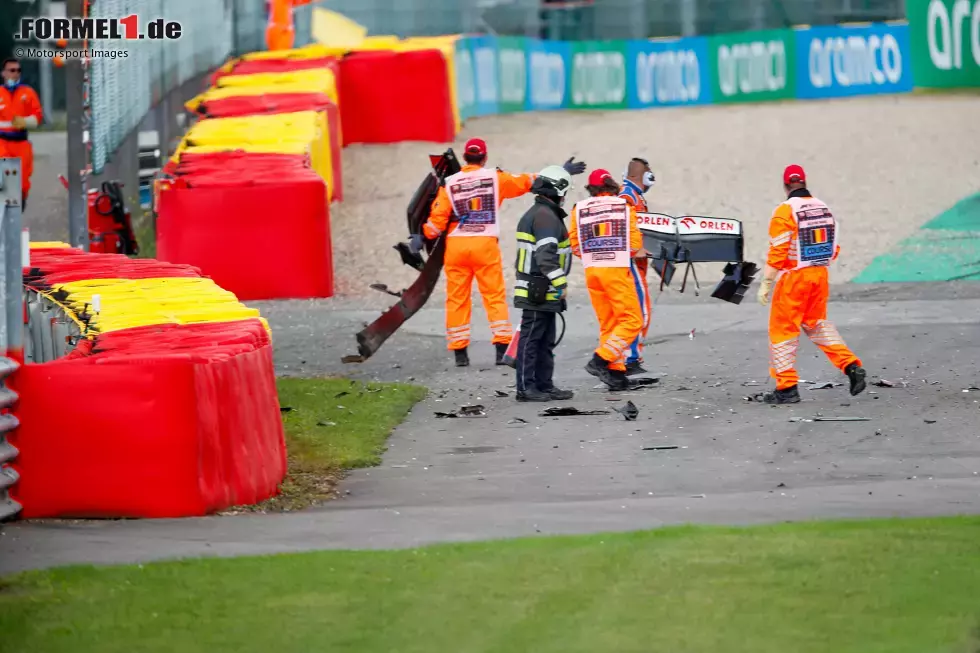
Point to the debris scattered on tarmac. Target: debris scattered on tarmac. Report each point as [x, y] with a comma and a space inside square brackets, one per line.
[799, 419]
[629, 411]
[465, 411]
[823, 386]
[929, 421]
[841, 419]
[501, 393]
[352, 358]
[663, 447]
[972, 389]
[569, 411]
[885, 383]
[691, 335]
[517, 421]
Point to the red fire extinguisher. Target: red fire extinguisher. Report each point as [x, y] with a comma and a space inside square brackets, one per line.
[110, 224]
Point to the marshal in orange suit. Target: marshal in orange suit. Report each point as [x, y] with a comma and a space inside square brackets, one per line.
[604, 234]
[20, 110]
[803, 241]
[468, 206]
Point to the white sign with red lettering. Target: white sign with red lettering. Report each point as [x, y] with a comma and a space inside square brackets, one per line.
[687, 225]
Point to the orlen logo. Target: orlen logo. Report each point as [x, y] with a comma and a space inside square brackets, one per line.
[656, 220]
[945, 54]
[854, 61]
[688, 222]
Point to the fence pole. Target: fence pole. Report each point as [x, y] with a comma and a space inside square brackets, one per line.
[77, 154]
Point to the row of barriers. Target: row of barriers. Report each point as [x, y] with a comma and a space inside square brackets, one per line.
[149, 391]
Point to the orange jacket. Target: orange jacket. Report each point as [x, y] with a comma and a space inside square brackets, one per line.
[784, 239]
[636, 238]
[21, 101]
[508, 185]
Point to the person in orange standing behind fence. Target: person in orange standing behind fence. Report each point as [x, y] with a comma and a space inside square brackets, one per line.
[803, 240]
[468, 206]
[638, 179]
[604, 234]
[20, 110]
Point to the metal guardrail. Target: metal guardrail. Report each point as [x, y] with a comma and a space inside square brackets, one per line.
[11, 322]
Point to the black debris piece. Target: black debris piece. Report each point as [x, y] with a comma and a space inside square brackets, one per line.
[883, 383]
[661, 447]
[285, 409]
[381, 287]
[569, 411]
[823, 386]
[929, 421]
[629, 411]
[342, 393]
[841, 419]
[475, 410]
[352, 358]
[501, 393]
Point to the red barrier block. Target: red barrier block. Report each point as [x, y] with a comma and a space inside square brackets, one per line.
[262, 236]
[388, 97]
[174, 436]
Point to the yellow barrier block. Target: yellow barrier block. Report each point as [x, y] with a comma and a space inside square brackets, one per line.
[50, 244]
[223, 93]
[312, 51]
[128, 303]
[317, 80]
[281, 129]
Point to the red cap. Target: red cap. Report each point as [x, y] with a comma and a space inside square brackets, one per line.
[476, 146]
[794, 174]
[598, 177]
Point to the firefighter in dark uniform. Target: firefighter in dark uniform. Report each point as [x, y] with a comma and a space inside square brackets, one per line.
[544, 259]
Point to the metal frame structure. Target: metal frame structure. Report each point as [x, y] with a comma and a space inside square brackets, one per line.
[12, 255]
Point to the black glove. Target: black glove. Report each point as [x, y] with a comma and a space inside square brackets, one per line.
[415, 243]
[573, 168]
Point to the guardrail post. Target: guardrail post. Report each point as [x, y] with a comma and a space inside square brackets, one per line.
[12, 321]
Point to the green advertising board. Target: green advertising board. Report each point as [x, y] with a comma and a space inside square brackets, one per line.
[945, 37]
[512, 73]
[598, 75]
[753, 66]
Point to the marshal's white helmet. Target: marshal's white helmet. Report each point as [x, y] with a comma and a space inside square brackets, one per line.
[559, 178]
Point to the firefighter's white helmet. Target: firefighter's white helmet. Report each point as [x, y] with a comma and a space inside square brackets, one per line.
[559, 178]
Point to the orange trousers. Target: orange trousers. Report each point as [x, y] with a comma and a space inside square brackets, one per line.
[617, 306]
[25, 152]
[799, 301]
[468, 257]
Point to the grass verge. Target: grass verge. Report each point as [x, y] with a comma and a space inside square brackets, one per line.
[861, 587]
[333, 425]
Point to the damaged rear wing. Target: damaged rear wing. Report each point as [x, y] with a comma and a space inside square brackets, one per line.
[692, 239]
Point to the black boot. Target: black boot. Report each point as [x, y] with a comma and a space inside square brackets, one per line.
[557, 394]
[533, 394]
[636, 367]
[599, 368]
[619, 380]
[501, 352]
[790, 395]
[856, 375]
[462, 358]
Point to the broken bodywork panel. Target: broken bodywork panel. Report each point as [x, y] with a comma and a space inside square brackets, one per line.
[698, 239]
[370, 339]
